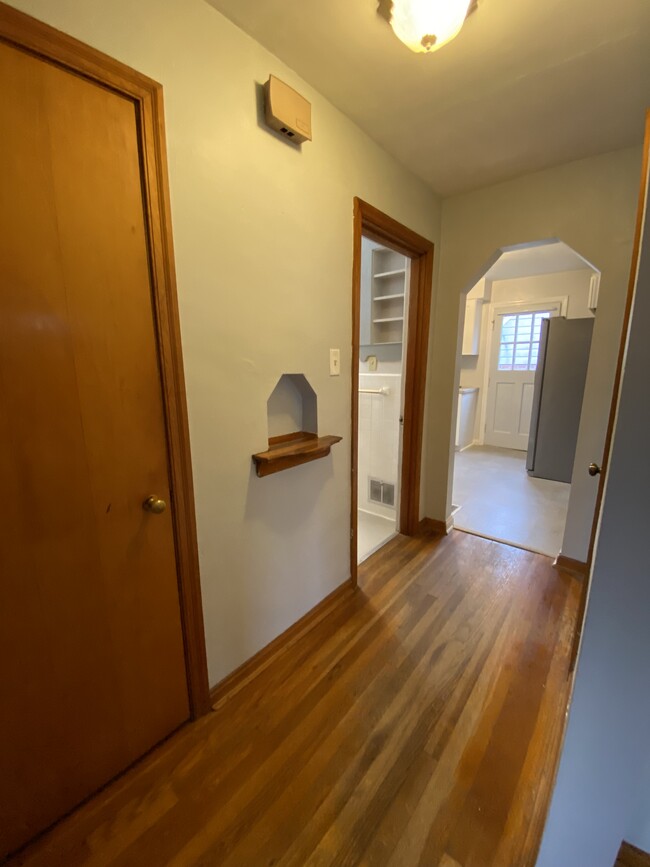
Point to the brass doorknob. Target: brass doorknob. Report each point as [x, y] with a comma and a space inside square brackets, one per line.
[154, 504]
[594, 469]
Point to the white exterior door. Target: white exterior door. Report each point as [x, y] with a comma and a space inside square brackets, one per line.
[513, 361]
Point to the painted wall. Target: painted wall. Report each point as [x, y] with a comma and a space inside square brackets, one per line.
[590, 205]
[263, 241]
[365, 304]
[572, 284]
[602, 794]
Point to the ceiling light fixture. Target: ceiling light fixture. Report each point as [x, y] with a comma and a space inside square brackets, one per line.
[426, 25]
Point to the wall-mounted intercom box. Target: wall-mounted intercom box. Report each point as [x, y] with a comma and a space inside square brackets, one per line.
[287, 111]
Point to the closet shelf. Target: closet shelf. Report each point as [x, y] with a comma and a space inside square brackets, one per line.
[388, 281]
[291, 450]
[389, 273]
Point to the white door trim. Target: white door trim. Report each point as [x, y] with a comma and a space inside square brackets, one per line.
[494, 309]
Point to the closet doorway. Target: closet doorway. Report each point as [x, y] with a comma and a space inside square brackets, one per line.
[392, 275]
[385, 276]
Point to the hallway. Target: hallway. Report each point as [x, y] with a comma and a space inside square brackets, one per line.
[417, 723]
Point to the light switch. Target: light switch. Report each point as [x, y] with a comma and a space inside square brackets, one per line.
[372, 362]
[335, 362]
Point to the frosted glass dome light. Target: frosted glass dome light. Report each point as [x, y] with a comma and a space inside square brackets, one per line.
[427, 25]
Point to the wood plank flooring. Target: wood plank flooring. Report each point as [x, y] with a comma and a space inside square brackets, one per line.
[417, 725]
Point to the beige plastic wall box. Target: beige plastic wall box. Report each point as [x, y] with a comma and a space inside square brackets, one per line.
[287, 111]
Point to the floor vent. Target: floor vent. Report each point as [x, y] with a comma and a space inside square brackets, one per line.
[381, 492]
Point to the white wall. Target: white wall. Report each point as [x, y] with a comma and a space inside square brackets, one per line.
[263, 240]
[379, 438]
[602, 794]
[590, 205]
[572, 284]
[365, 300]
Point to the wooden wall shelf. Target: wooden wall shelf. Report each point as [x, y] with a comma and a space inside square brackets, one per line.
[291, 450]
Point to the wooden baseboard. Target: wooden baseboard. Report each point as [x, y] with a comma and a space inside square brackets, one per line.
[432, 525]
[568, 564]
[630, 856]
[254, 666]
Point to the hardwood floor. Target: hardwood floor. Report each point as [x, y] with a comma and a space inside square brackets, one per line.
[418, 724]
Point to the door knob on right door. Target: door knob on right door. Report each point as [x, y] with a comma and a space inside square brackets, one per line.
[594, 469]
[154, 504]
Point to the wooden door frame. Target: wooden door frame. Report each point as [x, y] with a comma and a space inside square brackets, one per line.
[33, 37]
[372, 223]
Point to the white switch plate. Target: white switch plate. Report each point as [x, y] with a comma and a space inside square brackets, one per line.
[335, 362]
[372, 362]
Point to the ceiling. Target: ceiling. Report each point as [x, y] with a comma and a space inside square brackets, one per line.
[536, 259]
[526, 85]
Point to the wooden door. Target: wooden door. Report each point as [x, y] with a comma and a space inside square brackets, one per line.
[513, 359]
[92, 663]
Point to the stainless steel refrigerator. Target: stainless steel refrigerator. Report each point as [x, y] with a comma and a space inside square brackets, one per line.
[557, 397]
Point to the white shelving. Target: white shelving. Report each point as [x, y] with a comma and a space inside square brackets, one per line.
[388, 288]
[385, 274]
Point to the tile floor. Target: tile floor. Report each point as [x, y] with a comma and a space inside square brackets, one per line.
[498, 499]
[373, 531]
